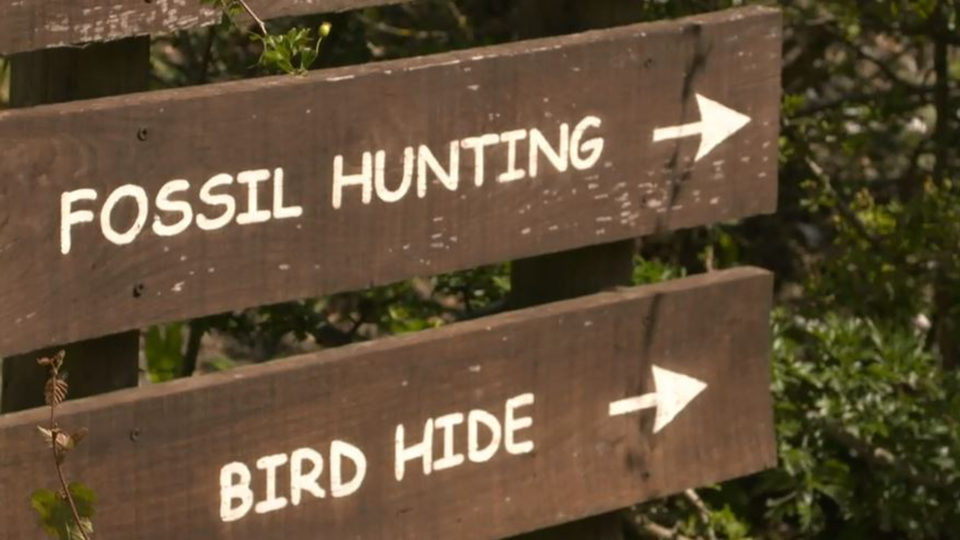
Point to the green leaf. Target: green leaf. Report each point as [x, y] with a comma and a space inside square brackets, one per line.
[162, 347]
[55, 515]
[85, 499]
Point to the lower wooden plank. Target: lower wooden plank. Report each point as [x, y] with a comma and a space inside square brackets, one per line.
[536, 388]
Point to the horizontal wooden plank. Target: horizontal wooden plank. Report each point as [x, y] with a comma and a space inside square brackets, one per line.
[597, 403]
[124, 212]
[27, 25]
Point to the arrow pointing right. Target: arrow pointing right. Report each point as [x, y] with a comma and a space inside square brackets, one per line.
[674, 391]
[717, 124]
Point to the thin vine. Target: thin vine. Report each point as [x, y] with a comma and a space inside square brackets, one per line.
[66, 514]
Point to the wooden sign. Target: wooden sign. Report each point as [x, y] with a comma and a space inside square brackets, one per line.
[27, 25]
[479, 430]
[124, 212]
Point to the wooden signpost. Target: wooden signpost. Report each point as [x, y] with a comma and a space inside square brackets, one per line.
[269, 190]
[480, 430]
[123, 212]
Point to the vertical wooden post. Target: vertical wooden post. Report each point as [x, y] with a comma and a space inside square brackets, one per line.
[567, 275]
[580, 272]
[53, 76]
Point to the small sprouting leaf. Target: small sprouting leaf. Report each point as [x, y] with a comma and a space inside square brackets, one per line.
[44, 502]
[55, 516]
[85, 499]
[53, 513]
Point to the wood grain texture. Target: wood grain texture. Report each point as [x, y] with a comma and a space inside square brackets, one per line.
[95, 366]
[57, 76]
[634, 79]
[560, 276]
[569, 274]
[154, 455]
[27, 25]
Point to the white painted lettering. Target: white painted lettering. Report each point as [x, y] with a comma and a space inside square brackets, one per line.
[280, 211]
[539, 145]
[272, 503]
[235, 487]
[364, 179]
[301, 481]
[384, 193]
[593, 147]
[478, 145]
[339, 451]
[253, 214]
[69, 217]
[212, 199]
[450, 458]
[450, 178]
[422, 450]
[164, 204]
[511, 138]
[512, 424]
[474, 420]
[139, 196]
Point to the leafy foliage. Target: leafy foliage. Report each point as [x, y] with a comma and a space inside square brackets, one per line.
[869, 430]
[55, 515]
[293, 52]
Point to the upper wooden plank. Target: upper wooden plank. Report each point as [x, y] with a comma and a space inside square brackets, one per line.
[27, 25]
[331, 166]
[156, 456]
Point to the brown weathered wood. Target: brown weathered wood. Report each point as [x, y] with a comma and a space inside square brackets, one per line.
[633, 79]
[27, 25]
[70, 74]
[575, 273]
[560, 276]
[605, 527]
[54, 76]
[94, 366]
[569, 274]
[155, 455]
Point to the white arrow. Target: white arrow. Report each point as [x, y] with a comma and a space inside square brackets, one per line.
[674, 392]
[717, 123]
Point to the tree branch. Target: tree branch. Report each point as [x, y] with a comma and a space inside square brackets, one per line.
[846, 213]
[702, 511]
[645, 527]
